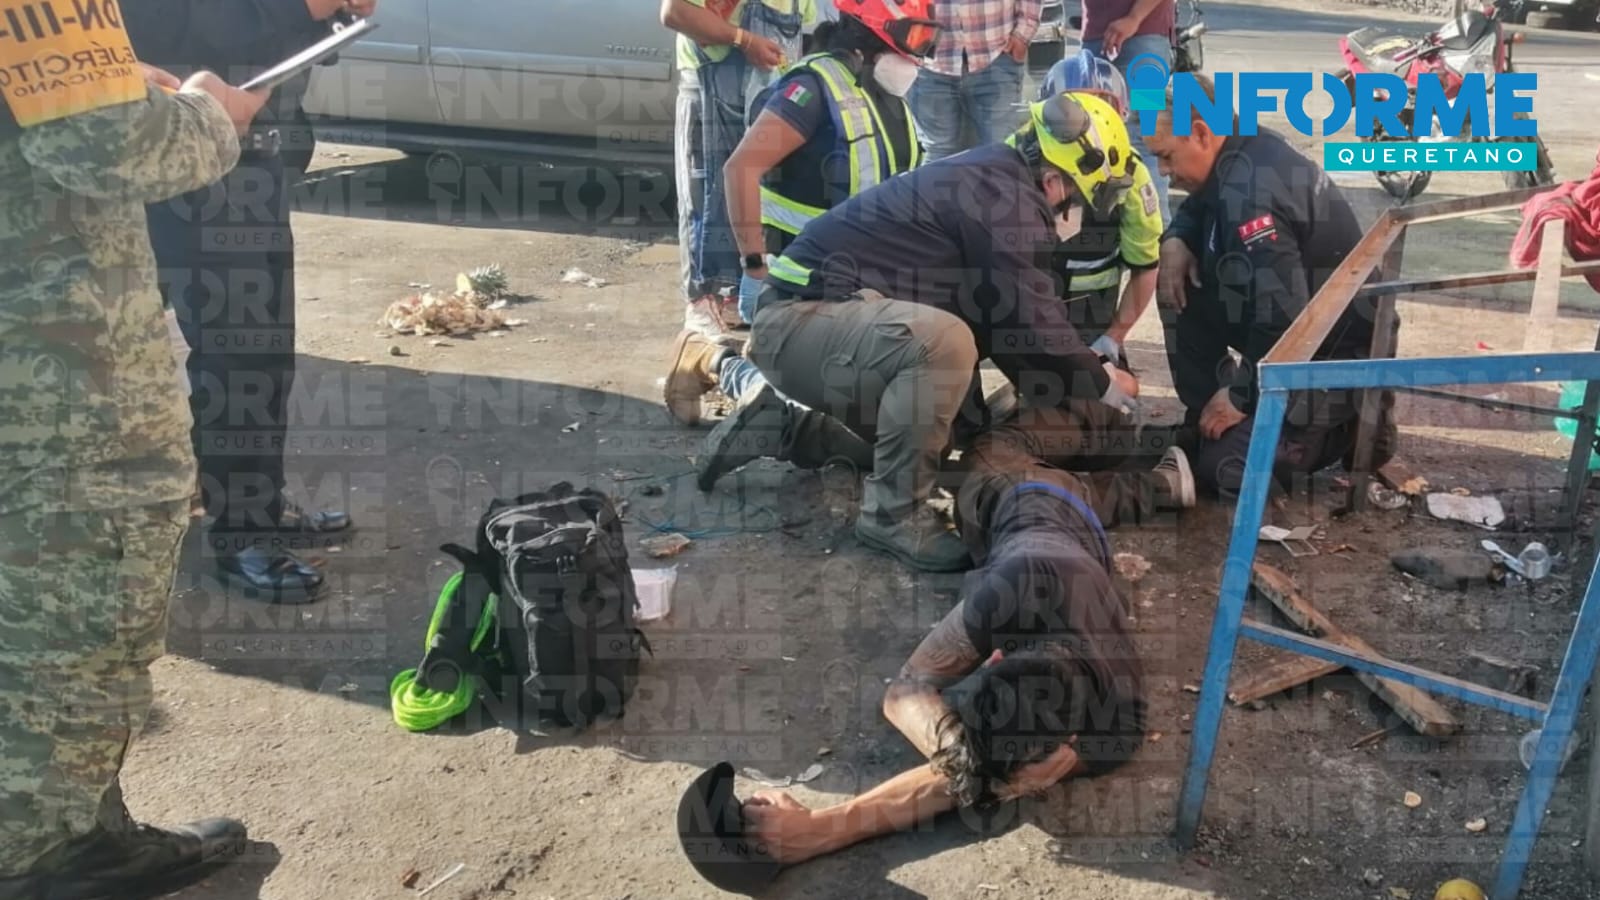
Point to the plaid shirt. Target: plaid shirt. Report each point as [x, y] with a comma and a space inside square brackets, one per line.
[978, 30]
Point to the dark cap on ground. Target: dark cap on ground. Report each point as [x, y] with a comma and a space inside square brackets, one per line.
[711, 830]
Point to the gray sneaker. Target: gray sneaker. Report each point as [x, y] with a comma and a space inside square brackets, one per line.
[753, 430]
[923, 541]
[1173, 474]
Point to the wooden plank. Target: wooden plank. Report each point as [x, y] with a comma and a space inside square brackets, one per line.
[1373, 401]
[1280, 676]
[1397, 476]
[1541, 330]
[1417, 707]
[1301, 339]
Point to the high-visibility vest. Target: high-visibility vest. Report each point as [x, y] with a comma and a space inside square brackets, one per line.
[859, 134]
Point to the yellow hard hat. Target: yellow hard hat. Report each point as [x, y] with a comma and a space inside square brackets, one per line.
[1083, 136]
[1459, 889]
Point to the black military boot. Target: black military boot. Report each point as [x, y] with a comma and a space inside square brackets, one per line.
[129, 863]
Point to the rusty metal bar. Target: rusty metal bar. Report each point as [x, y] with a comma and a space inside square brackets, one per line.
[1467, 206]
[1490, 403]
[1311, 327]
[1477, 279]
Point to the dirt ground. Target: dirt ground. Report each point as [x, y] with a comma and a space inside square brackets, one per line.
[784, 627]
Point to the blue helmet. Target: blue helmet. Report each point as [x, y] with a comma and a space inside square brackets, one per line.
[1088, 73]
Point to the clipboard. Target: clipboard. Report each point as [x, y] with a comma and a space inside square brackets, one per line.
[303, 61]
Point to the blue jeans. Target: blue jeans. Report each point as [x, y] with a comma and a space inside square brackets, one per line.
[727, 88]
[1159, 46]
[956, 113]
[738, 376]
[689, 173]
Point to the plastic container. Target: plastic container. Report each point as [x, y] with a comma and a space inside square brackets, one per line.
[1530, 742]
[654, 587]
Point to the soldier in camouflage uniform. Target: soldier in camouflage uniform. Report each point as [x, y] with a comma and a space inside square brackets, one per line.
[95, 461]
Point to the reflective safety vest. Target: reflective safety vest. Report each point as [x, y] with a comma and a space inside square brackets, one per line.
[859, 134]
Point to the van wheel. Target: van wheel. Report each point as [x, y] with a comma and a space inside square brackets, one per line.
[1546, 18]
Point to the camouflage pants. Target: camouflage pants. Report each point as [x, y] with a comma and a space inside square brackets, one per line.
[84, 615]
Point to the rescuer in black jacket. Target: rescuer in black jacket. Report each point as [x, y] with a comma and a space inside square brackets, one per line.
[1262, 229]
[225, 263]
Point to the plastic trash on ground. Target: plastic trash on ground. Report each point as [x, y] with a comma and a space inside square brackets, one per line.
[1484, 512]
[654, 587]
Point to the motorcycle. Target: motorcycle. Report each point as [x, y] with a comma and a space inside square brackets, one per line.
[1188, 55]
[1473, 42]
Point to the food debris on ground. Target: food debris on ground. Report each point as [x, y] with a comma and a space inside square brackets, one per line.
[1131, 566]
[665, 545]
[410, 878]
[1413, 800]
[424, 314]
[579, 276]
[1477, 825]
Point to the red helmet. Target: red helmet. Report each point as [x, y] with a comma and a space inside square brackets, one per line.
[907, 26]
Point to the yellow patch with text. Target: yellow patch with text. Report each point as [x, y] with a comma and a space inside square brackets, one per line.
[59, 58]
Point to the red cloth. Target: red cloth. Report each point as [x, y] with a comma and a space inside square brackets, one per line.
[1578, 202]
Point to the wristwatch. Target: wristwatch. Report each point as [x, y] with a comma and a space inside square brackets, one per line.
[755, 261]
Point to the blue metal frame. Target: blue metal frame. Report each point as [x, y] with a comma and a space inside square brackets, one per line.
[1557, 717]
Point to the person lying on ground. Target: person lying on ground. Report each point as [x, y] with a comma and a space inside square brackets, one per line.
[1262, 230]
[1056, 687]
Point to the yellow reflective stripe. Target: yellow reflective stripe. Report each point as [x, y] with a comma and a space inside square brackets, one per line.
[1110, 259]
[784, 214]
[855, 115]
[785, 269]
[1094, 281]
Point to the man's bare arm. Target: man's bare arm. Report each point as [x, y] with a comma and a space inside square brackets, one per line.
[1135, 300]
[913, 703]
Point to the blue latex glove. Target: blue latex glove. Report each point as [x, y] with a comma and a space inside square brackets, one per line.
[749, 290]
[1105, 346]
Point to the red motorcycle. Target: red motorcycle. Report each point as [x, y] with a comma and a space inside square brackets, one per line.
[1474, 42]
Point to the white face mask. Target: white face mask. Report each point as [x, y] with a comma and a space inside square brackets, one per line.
[894, 73]
[1070, 222]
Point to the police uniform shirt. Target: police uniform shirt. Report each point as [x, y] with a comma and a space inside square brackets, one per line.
[1268, 229]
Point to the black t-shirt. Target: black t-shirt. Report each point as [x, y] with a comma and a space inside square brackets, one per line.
[962, 234]
[817, 174]
[1047, 587]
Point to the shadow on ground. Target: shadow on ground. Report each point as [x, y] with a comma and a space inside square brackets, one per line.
[771, 645]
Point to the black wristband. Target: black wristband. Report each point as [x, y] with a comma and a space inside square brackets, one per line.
[755, 261]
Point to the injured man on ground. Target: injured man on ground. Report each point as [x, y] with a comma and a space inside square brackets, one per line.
[1053, 680]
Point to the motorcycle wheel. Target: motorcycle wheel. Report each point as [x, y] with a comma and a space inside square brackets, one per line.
[1404, 186]
[1543, 173]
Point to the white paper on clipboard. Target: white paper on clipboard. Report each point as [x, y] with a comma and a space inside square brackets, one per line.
[305, 59]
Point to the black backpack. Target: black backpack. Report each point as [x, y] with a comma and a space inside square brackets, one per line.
[555, 565]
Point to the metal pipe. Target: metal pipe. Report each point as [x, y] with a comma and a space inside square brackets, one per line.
[1491, 403]
[1395, 671]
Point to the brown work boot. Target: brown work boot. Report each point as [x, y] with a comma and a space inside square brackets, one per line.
[710, 316]
[695, 358]
[923, 540]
